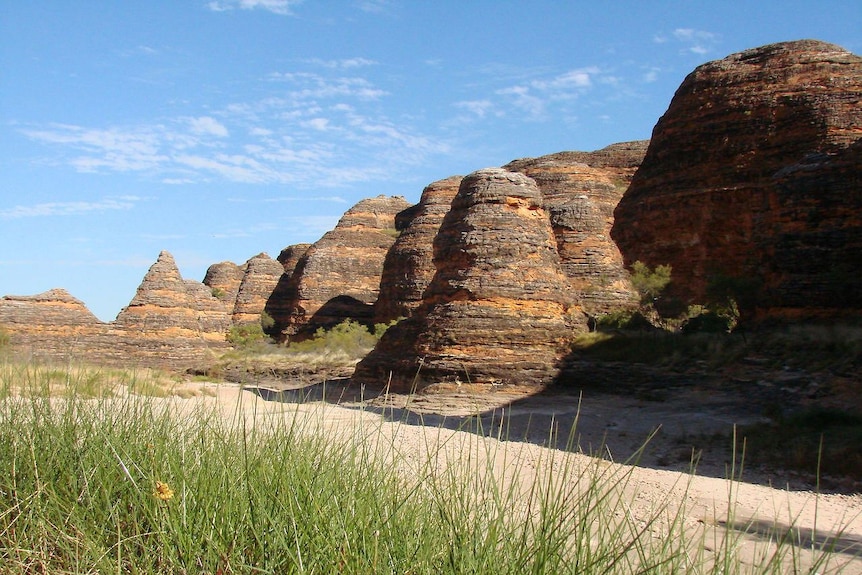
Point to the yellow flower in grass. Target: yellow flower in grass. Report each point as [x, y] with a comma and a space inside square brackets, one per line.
[163, 491]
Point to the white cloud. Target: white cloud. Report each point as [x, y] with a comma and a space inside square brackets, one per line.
[311, 130]
[206, 125]
[69, 208]
[343, 64]
[373, 6]
[535, 96]
[696, 41]
[479, 108]
[282, 7]
[311, 86]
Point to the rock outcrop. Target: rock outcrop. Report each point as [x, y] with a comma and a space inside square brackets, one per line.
[752, 177]
[224, 280]
[52, 324]
[170, 323]
[172, 319]
[261, 275]
[290, 256]
[499, 309]
[581, 190]
[338, 278]
[409, 264]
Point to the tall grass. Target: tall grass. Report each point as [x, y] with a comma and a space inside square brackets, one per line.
[134, 484]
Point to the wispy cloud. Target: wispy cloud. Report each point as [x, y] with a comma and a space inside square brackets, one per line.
[695, 41]
[282, 7]
[343, 64]
[69, 208]
[534, 96]
[374, 6]
[308, 129]
[207, 126]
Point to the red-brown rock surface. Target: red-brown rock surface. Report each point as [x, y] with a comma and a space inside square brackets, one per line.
[261, 275]
[409, 264]
[338, 278]
[52, 324]
[173, 319]
[581, 190]
[171, 322]
[291, 255]
[499, 308]
[753, 174]
[224, 280]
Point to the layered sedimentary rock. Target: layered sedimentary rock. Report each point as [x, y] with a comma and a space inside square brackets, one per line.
[290, 256]
[224, 280]
[171, 322]
[338, 277]
[172, 319]
[258, 282]
[51, 324]
[752, 178]
[499, 308]
[581, 190]
[409, 264]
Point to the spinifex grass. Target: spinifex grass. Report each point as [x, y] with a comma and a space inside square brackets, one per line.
[145, 485]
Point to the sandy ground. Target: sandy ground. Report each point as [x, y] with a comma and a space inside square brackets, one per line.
[509, 431]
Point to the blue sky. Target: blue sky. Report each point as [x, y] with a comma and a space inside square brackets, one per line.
[220, 129]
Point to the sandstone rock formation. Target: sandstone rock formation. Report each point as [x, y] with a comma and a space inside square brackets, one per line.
[752, 175]
[258, 282]
[224, 280]
[171, 322]
[498, 309]
[338, 278]
[172, 318]
[409, 264]
[291, 255]
[581, 190]
[52, 324]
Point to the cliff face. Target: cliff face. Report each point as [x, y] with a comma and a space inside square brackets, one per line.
[752, 174]
[224, 280]
[581, 190]
[50, 324]
[171, 322]
[409, 264]
[258, 282]
[338, 277]
[499, 308]
[170, 319]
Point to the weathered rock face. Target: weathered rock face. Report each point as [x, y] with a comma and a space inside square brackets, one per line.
[499, 308]
[581, 190]
[409, 264]
[291, 255]
[753, 174]
[52, 324]
[171, 322]
[171, 317]
[338, 278]
[258, 282]
[224, 280]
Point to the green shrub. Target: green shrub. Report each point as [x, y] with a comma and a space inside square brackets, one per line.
[650, 283]
[246, 334]
[349, 337]
[709, 322]
[218, 293]
[624, 319]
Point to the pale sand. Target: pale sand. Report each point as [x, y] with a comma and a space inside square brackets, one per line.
[708, 503]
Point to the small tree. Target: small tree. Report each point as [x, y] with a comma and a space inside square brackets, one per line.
[650, 283]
